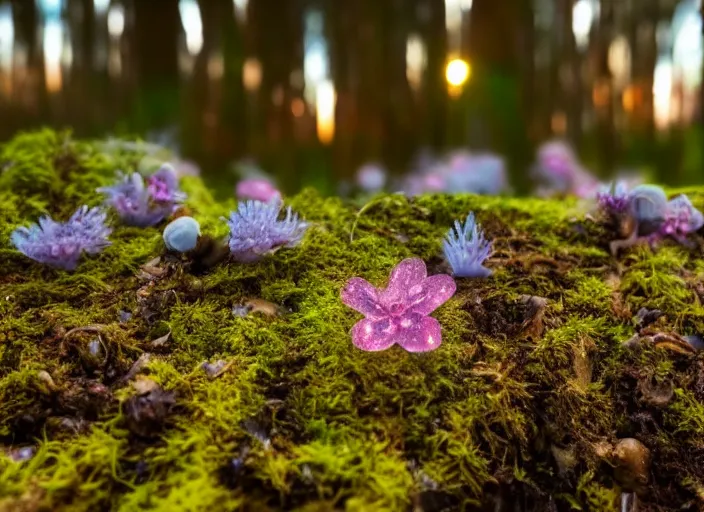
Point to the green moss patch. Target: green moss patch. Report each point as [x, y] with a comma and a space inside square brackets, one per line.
[523, 403]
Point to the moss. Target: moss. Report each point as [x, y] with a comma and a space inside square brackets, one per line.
[516, 404]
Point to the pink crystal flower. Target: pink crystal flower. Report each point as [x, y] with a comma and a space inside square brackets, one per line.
[399, 313]
[256, 189]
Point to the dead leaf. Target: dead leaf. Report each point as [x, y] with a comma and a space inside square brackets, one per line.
[214, 370]
[143, 385]
[161, 340]
[582, 362]
[137, 367]
[150, 270]
[673, 342]
[565, 458]
[656, 394]
[532, 326]
[263, 306]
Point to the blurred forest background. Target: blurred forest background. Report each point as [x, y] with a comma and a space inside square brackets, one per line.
[312, 89]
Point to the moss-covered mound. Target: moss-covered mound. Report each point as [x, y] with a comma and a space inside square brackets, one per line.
[524, 407]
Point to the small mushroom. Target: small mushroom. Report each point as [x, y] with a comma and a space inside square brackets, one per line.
[257, 306]
[182, 234]
[632, 459]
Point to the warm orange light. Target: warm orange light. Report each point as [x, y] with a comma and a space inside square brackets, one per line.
[325, 100]
[558, 123]
[629, 99]
[600, 94]
[252, 74]
[52, 73]
[298, 108]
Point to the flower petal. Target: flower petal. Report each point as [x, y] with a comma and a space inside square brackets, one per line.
[363, 297]
[427, 297]
[406, 274]
[373, 335]
[418, 333]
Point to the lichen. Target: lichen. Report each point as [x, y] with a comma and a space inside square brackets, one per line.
[516, 404]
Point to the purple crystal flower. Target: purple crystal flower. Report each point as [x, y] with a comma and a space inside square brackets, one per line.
[255, 230]
[614, 199]
[681, 218]
[558, 170]
[399, 313]
[59, 244]
[466, 249]
[145, 204]
[163, 185]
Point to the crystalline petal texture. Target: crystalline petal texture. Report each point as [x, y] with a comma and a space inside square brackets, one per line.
[60, 245]
[614, 198]
[399, 313]
[144, 204]
[682, 218]
[466, 249]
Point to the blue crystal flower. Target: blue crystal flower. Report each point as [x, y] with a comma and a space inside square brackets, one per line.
[255, 230]
[59, 244]
[466, 249]
[140, 203]
[681, 219]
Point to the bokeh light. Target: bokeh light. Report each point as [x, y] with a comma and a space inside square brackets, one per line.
[325, 111]
[457, 72]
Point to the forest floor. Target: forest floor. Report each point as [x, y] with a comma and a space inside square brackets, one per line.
[563, 381]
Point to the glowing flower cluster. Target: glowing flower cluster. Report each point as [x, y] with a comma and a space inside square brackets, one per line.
[59, 244]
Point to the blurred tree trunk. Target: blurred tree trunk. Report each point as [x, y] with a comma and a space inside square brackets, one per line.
[647, 56]
[606, 130]
[234, 114]
[81, 24]
[157, 26]
[342, 32]
[574, 87]
[498, 31]
[435, 86]
[32, 91]
[398, 100]
[278, 45]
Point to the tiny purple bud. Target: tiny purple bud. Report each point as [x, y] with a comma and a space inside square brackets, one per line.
[256, 189]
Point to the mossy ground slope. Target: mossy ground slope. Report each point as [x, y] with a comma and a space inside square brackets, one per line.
[517, 406]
